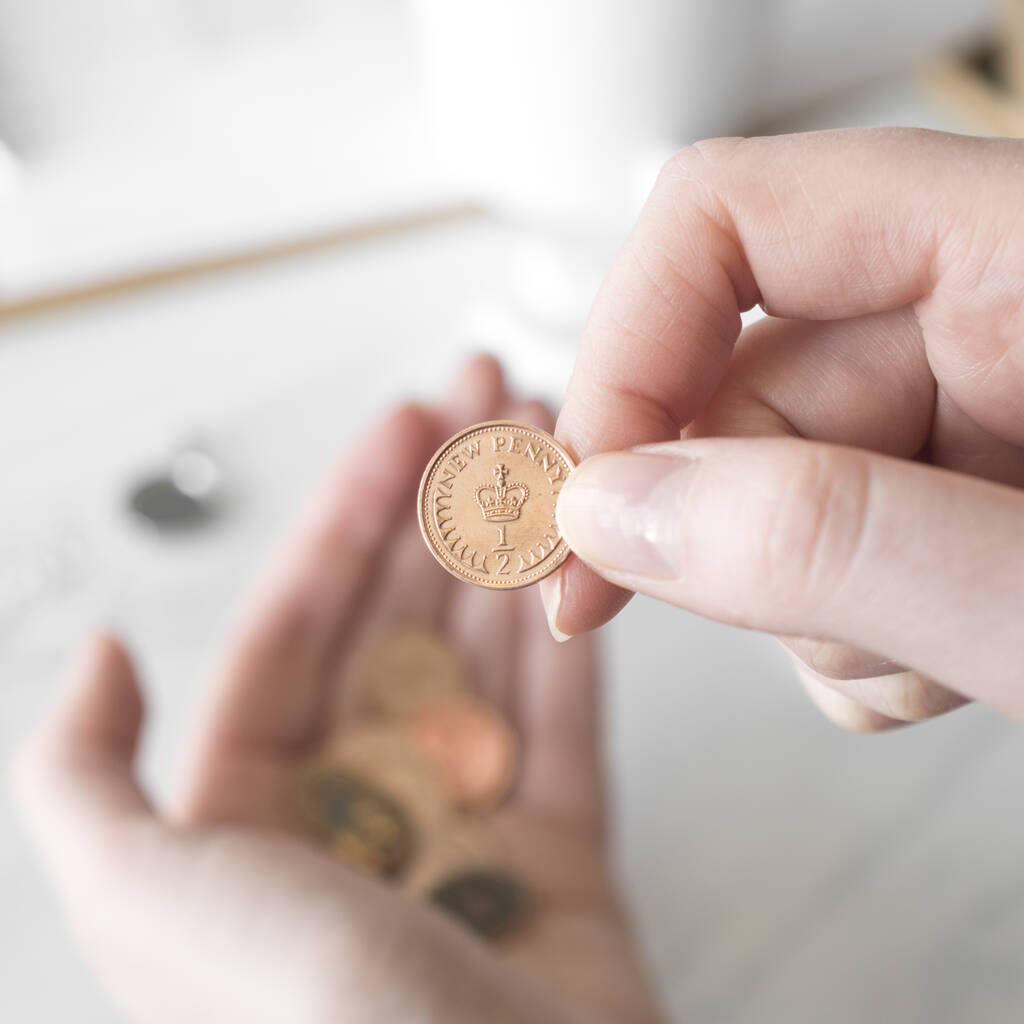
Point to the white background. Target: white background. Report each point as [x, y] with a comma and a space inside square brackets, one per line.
[778, 870]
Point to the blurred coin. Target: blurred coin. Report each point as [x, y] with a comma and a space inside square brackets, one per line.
[472, 746]
[361, 825]
[487, 504]
[488, 902]
[409, 668]
[461, 843]
[183, 496]
[164, 505]
[386, 757]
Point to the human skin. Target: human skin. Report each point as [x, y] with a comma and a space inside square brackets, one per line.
[218, 908]
[846, 473]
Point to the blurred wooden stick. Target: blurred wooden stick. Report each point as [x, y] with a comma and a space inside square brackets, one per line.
[349, 234]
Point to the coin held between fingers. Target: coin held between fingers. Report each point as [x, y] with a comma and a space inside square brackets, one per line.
[487, 504]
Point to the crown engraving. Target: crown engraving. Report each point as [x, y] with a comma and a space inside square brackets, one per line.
[501, 502]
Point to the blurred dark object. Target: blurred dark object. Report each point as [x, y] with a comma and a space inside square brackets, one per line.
[487, 902]
[184, 496]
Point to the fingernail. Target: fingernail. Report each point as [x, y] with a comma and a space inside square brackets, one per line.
[551, 598]
[623, 511]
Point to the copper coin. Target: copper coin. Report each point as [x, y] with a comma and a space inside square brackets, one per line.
[471, 745]
[487, 504]
[488, 902]
[409, 668]
[360, 824]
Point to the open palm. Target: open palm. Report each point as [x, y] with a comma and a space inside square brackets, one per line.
[220, 909]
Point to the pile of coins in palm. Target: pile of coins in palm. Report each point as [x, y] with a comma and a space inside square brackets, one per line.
[402, 794]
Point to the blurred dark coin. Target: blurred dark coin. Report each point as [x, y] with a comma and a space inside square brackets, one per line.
[163, 504]
[362, 825]
[489, 902]
[182, 497]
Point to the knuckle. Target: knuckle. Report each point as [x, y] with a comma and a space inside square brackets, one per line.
[699, 162]
[818, 524]
[696, 179]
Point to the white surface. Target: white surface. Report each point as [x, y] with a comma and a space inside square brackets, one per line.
[779, 870]
[567, 97]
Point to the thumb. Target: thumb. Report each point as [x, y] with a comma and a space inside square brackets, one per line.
[74, 778]
[919, 564]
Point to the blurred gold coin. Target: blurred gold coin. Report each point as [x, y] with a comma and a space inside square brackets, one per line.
[472, 747]
[487, 504]
[384, 755]
[409, 668]
[359, 823]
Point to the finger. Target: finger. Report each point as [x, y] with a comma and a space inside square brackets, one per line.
[558, 713]
[477, 392]
[863, 382]
[924, 566]
[272, 691]
[575, 599]
[74, 778]
[549, 690]
[410, 586]
[472, 397]
[841, 710]
[959, 442]
[732, 222]
[876, 683]
[833, 660]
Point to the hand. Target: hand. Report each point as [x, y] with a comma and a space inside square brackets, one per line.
[848, 473]
[218, 909]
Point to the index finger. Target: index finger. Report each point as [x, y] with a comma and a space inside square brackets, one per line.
[816, 226]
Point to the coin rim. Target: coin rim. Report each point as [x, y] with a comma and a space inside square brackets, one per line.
[554, 560]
